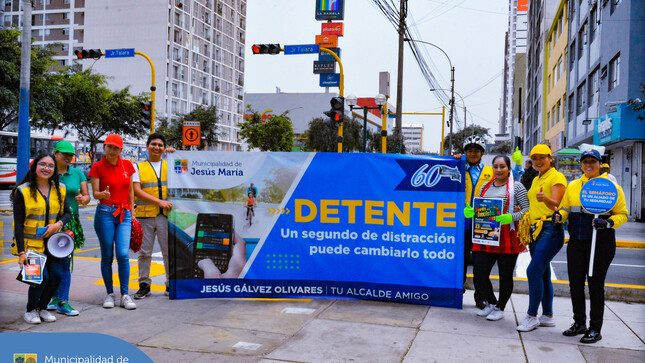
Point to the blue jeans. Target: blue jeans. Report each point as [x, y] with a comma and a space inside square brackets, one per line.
[65, 280]
[547, 245]
[113, 235]
[39, 296]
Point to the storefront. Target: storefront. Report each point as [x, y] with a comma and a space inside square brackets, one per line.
[623, 134]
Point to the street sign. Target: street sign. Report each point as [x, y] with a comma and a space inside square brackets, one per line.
[330, 10]
[301, 49]
[326, 57]
[324, 67]
[332, 29]
[330, 80]
[119, 53]
[192, 133]
[327, 41]
[598, 196]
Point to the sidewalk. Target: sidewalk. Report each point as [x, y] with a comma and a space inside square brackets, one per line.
[239, 330]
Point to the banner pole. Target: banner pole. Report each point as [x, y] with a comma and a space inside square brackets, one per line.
[593, 248]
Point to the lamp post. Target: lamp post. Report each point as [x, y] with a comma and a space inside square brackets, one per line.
[452, 85]
[351, 100]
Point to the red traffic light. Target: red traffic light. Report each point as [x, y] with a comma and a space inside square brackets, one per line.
[266, 48]
[78, 54]
[90, 54]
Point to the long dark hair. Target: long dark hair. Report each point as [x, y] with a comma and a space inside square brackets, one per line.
[30, 178]
[507, 161]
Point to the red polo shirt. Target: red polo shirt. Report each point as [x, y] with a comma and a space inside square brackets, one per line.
[117, 177]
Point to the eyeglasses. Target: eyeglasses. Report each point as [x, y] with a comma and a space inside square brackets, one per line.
[47, 166]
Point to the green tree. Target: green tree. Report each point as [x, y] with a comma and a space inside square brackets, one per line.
[323, 137]
[42, 99]
[459, 137]
[504, 148]
[87, 105]
[273, 133]
[173, 129]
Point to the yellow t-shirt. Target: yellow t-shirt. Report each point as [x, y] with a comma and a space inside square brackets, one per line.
[547, 181]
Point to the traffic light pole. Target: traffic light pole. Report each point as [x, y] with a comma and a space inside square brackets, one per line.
[443, 121]
[341, 89]
[152, 91]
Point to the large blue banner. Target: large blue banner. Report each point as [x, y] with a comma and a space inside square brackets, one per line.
[318, 225]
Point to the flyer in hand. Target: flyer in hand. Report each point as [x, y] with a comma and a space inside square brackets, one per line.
[486, 229]
[32, 273]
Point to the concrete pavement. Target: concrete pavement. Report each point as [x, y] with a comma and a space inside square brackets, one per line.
[241, 330]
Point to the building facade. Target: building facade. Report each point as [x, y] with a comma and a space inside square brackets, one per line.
[555, 87]
[412, 137]
[196, 46]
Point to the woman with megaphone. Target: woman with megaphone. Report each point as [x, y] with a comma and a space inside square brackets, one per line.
[39, 210]
[77, 194]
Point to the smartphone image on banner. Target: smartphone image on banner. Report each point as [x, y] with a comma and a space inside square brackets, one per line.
[214, 240]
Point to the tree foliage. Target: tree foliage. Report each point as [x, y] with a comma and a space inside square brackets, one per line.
[272, 133]
[173, 130]
[323, 137]
[43, 96]
[504, 148]
[459, 137]
[86, 104]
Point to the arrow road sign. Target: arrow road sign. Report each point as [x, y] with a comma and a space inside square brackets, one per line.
[301, 49]
[119, 53]
[192, 133]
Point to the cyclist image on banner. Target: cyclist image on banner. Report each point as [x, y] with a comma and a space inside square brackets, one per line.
[253, 190]
[250, 204]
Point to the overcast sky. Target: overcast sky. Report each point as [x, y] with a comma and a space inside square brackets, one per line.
[471, 32]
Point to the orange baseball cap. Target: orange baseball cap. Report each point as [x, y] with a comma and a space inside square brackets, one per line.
[115, 140]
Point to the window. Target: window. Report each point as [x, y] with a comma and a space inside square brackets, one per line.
[559, 72]
[570, 108]
[593, 87]
[561, 25]
[572, 55]
[614, 72]
[556, 116]
[65, 31]
[581, 101]
[548, 85]
[593, 23]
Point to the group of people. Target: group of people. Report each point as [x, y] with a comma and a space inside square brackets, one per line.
[49, 196]
[545, 199]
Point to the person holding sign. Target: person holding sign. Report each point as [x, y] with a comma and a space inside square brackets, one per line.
[545, 194]
[581, 226]
[507, 249]
[39, 210]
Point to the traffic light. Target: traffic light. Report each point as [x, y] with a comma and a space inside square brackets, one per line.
[266, 48]
[146, 113]
[337, 112]
[88, 54]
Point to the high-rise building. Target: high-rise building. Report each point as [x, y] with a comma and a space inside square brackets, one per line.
[197, 47]
[413, 137]
[555, 87]
[514, 73]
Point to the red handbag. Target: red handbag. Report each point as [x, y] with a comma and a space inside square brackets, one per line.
[136, 237]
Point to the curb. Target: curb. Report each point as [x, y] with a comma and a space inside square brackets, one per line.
[625, 244]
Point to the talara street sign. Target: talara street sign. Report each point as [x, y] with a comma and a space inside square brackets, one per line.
[301, 49]
[119, 53]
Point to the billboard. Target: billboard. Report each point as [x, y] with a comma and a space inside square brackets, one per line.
[316, 225]
[330, 9]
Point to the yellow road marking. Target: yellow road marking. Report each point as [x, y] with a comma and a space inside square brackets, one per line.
[90, 218]
[87, 250]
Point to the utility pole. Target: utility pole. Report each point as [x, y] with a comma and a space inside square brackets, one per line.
[24, 131]
[452, 105]
[403, 9]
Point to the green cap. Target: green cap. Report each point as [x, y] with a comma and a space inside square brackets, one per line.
[65, 147]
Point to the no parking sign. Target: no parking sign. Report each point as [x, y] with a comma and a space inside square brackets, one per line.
[597, 196]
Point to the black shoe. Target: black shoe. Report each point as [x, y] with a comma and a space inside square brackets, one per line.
[591, 336]
[144, 291]
[481, 304]
[167, 293]
[574, 330]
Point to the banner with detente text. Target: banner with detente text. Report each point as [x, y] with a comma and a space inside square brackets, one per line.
[316, 225]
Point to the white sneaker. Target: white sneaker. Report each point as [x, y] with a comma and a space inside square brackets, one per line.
[486, 310]
[495, 315]
[546, 321]
[45, 315]
[109, 301]
[32, 317]
[127, 303]
[529, 323]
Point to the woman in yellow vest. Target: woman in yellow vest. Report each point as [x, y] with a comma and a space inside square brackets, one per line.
[545, 194]
[581, 226]
[39, 202]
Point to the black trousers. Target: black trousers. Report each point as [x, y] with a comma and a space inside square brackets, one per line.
[39, 295]
[468, 246]
[483, 263]
[578, 252]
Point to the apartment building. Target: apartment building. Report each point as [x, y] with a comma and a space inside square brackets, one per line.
[412, 137]
[196, 46]
[555, 87]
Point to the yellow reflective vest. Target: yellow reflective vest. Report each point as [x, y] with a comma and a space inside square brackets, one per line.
[154, 185]
[36, 214]
[485, 176]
